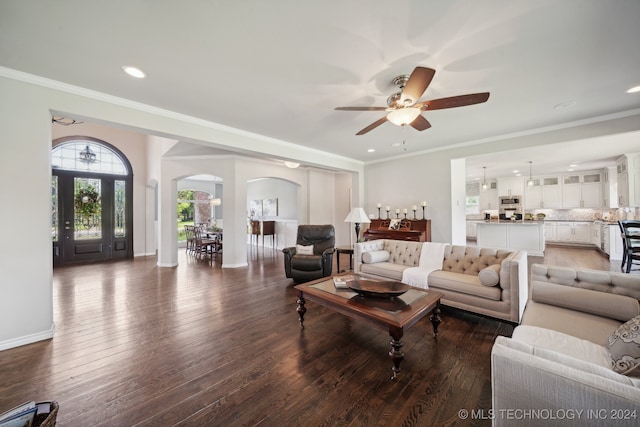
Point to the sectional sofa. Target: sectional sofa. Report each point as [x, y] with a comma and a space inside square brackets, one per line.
[490, 282]
[575, 357]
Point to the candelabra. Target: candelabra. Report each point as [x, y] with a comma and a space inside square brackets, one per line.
[423, 206]
[379, 212]
[414, 212]
[388, 209]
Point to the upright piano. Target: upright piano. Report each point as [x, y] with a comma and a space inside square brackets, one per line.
[415, 230]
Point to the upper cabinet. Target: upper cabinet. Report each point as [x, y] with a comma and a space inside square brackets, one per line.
[489, 196]
[628, 168]
[610, 187]
[512, 186]
[582, 190]
[543, 194]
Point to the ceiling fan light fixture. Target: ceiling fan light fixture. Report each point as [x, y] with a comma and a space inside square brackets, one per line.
[403, 116]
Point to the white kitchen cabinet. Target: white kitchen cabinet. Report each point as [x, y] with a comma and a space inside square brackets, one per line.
[595, 234]
[628, 168]
[550, 231]
[489, 197]
[610, 187]
[533, 195]
[471, 229]
[614, 247]
[575, 232]
[543, 194]
[582, 190]
[518, 235]
[512, 186]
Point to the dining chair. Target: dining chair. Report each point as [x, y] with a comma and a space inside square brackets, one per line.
[631, 243]
[203, 245]
[191, 238]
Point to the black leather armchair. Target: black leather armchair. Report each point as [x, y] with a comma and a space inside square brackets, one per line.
[303, 268]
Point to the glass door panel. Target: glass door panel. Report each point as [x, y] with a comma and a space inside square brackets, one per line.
[87, 204]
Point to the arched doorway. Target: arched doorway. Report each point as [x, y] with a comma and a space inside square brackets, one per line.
[91, 201]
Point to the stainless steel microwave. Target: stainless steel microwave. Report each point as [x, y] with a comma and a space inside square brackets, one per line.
[510, 201]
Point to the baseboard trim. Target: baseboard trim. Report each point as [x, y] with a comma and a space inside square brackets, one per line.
[244, 264]
[28, 339]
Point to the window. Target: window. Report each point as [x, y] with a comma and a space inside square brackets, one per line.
[87, 156]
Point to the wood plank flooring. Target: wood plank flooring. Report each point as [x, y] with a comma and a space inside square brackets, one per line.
[197, 345]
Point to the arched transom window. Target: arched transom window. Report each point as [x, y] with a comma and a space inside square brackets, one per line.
[87, 156]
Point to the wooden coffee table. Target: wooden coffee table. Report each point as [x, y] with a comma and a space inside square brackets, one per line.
[386, 314]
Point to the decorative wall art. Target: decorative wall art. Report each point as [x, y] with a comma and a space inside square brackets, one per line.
[255, 208]
[270, 207]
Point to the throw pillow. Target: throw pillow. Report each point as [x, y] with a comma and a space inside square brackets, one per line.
[624, 346]
[490, 276]
[375, 256]
[304, 250]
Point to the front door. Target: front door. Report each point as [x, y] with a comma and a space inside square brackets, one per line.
[91, 218]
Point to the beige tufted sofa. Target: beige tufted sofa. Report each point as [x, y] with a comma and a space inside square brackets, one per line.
[559, 359]
[459, 275]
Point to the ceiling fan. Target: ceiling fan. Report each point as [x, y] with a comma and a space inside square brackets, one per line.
[403, 107]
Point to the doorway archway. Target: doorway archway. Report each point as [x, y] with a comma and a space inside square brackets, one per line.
[91, 201]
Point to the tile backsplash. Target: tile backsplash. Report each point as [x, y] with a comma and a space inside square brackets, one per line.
[577, 214]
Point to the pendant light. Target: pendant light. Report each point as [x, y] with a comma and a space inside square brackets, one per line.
[530, 181]
[484, 179]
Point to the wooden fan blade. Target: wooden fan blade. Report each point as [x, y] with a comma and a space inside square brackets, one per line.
[454, 101]
[361, 108]
[420, 123]
[372, 126]
[418, 82]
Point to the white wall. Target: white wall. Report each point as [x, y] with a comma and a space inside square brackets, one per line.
[272, 188]
[26, 105]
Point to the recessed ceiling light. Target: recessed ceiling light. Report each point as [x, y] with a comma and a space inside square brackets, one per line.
[516, 171]
[634, 89]
[570, 170]
[573, 165]
[371, 150]
[518, 174]
[396, 144]
[134, 72]
[564, 105]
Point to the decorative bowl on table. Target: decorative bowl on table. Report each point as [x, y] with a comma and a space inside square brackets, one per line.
[378, 289]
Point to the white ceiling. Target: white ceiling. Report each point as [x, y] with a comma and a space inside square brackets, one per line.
[279, 68]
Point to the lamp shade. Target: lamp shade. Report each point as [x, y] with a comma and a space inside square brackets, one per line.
[358, 216]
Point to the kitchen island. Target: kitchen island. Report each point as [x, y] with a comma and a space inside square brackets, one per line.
[523, 235]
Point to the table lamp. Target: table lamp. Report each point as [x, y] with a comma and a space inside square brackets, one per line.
[357, 216]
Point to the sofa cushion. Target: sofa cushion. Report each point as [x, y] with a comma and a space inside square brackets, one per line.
[576, 323]
[563, 343]
[619, 307]
[624, 346]
[490, 276]
[375, 256]
[404, 253]
[596, 280]
[471, 259]
[463, 283]
[384, 269]
[304, 250]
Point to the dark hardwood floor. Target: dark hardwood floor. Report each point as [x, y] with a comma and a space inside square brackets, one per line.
[198, 345]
